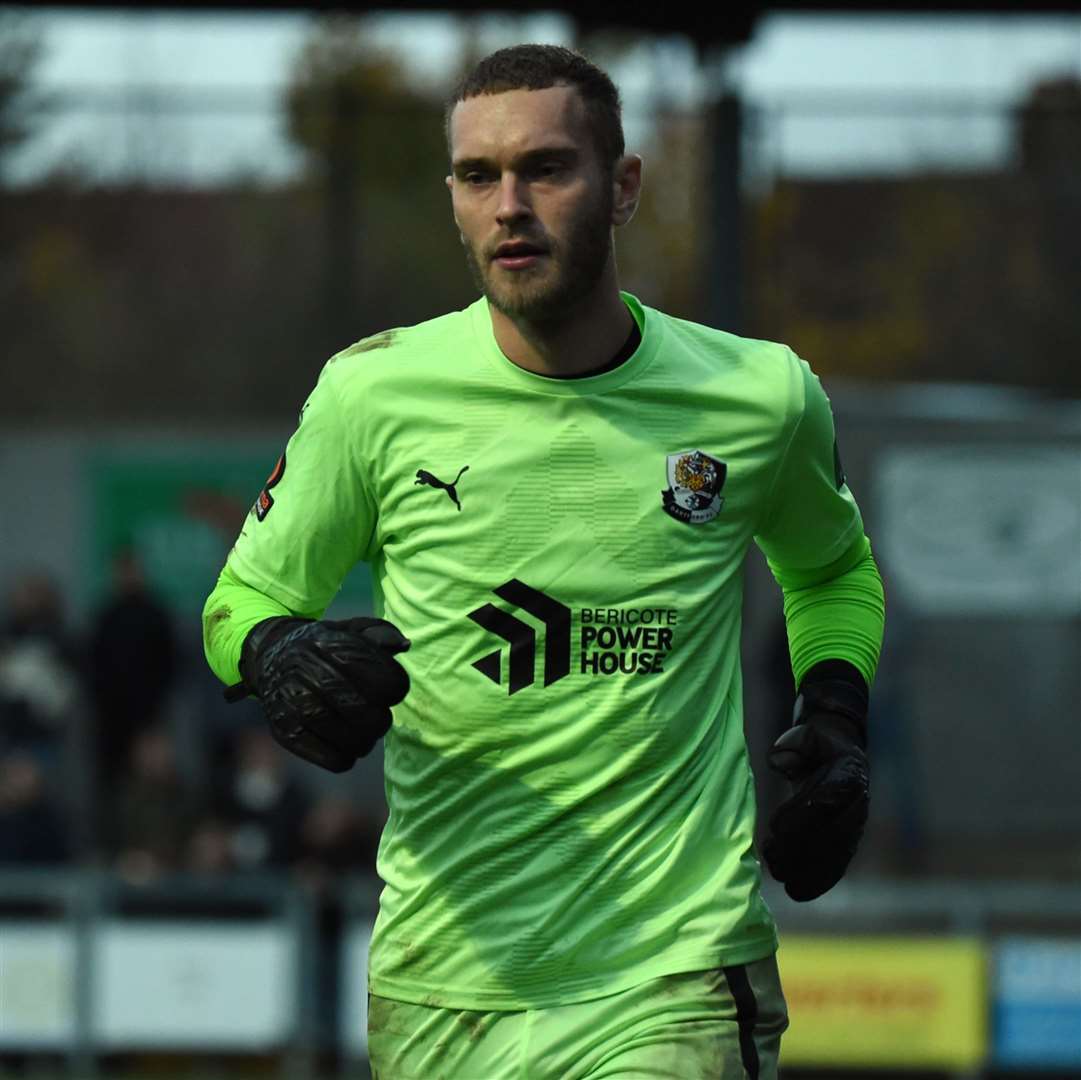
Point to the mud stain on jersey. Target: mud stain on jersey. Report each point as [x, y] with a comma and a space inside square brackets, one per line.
[377, 341]
[408, 954]
[474, 1024]
[215, 620]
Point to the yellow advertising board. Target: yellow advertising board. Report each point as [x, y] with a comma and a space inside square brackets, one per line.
[912, 1001]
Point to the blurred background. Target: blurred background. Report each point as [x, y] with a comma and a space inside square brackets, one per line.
[198, 207]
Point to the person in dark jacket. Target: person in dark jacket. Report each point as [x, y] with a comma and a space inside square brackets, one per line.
[132, 665]
[31, 829]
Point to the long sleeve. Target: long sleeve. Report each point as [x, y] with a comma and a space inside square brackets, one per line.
[813, 539]
[841, 617]
[230, 612]
[312, 523]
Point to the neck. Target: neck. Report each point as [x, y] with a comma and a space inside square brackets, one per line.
[590, 334]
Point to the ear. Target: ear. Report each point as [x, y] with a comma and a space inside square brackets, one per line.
[627, 188]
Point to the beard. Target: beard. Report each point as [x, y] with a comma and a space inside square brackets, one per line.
[563, 277]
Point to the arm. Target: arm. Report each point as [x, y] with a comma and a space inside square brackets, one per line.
[326, 687]
[811, 533]
[232, 610]
[838, 618]
[295, 546]
[813, 539]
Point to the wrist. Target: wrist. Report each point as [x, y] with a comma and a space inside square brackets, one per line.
[260, 637]
[833, 696]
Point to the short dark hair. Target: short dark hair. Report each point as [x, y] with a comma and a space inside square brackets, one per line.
[538, 67]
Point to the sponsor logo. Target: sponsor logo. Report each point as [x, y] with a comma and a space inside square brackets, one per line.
[694, 487]
[628, 641]
[522, 638]
[611, 641]
[265, 500]
[425, 477]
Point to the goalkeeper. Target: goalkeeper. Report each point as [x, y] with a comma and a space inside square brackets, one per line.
[556, 488]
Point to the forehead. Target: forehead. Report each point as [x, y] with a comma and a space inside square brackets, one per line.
[516, 121]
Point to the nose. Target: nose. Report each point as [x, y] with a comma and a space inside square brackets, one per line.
[513, 205]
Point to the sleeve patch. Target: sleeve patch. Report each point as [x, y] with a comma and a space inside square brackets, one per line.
[265, 502]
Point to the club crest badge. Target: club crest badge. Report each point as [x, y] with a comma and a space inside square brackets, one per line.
[694, 492]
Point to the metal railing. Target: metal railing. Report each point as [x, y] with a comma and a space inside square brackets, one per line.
[87, 906]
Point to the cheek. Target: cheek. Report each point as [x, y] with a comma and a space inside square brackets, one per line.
[583, 225]
[460, 209]
[468, 219]
[582, 216]
[465, 230]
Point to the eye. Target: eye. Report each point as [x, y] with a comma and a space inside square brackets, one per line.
[475, 179]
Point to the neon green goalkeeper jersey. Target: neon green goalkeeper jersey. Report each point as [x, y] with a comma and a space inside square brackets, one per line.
[571, 808]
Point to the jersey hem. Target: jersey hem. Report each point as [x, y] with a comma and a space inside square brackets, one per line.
[425, 994]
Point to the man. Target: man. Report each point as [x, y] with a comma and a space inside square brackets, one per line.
[556, 488]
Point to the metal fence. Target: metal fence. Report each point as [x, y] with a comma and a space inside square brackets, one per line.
[92, 967]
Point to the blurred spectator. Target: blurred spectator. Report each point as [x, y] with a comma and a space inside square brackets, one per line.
[153, 814]
[31, 831]
[336, 840]
[262, 803]
[39, 685]
[209, 849]
[132, 658]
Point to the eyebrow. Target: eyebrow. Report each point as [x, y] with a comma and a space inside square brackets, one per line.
[567, 153]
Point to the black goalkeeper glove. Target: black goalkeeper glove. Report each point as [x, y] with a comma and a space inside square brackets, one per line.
[326, 687]
[813, 835]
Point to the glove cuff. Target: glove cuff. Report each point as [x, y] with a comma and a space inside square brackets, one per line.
[837, 704]
[261, 635]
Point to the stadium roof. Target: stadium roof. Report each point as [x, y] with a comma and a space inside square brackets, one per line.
[707, 25]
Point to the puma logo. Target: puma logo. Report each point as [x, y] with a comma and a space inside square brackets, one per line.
[425, 477]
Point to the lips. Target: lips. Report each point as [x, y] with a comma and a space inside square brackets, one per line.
[516, 250]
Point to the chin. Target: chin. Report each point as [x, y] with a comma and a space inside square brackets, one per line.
[532, 308]
[546, 293]
[524, 301]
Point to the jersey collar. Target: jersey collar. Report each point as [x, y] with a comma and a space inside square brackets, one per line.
[602, 383]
